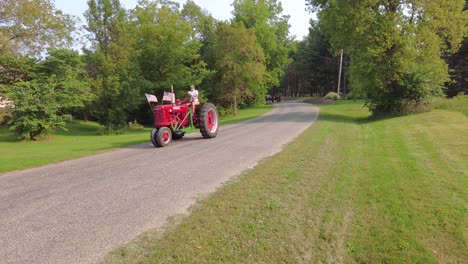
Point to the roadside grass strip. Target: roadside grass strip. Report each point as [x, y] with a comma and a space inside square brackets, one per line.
[351, 189]
[81, 139]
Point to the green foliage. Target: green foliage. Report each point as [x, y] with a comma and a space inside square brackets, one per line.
[66, 69]
[35, 110]
[168, 50]
[271, 30]
[314, 70]
[458, 103]
[458, 64]
[134, 125]
[223, 111]
[204, 26]
[5, 115]
[111, 64]
[332, 96]
[41, 93]
[395, 54]
[29, 27]
[14, 69]
[240, 67]
[353, 95]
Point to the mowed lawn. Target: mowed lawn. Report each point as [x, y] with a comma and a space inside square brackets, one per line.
[81, 139]
[351, 189]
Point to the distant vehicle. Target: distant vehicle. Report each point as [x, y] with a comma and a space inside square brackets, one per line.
[278, 98]
[269, 98]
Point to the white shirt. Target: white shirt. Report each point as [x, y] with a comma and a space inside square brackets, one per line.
[193, 95]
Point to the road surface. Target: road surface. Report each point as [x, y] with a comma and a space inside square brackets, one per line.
[77, 211]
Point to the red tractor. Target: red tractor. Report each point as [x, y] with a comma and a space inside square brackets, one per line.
[172, 120]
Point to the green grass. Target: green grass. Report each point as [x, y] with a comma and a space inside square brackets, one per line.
[246, 114]
[458, 103]
[351, 189]
[81, 139]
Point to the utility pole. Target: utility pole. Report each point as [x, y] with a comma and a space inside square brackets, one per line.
[345, 66]
[339, 74]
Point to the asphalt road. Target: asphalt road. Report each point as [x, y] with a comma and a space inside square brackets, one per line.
[77, 211]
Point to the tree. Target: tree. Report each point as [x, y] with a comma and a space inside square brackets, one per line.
[204, 26]
[395, 46]
[35, 111]
[111, 63]
[271, 30]
[458, 64]
[240, 64]
[66, 69]
[14, 69]
[57, 85]
[168, 47]
[313, 70]
[29, 27]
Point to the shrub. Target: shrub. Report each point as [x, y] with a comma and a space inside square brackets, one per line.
[5, 116]
[332, 96]
[135, 125]
[354, 96]
[458, 103]
[35, 112]
[224, 111]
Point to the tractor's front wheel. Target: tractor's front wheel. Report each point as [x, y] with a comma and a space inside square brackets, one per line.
[153, 137]
[161, 137]
[208, 121]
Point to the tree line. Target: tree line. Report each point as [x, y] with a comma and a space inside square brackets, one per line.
[398, 54]
[147, 49]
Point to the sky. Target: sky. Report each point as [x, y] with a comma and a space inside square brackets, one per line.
[219, 9]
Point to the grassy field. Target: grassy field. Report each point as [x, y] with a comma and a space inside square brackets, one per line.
[351, 189]
[458, 103]
[81, 139]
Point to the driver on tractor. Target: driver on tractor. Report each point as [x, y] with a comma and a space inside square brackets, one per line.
[193, 97]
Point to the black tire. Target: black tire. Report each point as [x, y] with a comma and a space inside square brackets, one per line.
[208, 120]
[153, 137]
[163, 137]
[176, 135]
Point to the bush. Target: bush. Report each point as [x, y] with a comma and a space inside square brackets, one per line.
[5, 116]
[135, 125]
[332, 96]
[354, 96]
[35, 112]
[458, 103]
[224, 111]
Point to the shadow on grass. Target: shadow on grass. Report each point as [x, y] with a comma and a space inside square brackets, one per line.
[355, 119]
[6, 135]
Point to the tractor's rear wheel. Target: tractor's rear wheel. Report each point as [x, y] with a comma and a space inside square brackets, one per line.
[208, 121]
[163, 137]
